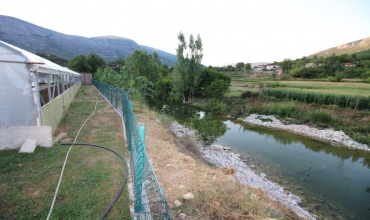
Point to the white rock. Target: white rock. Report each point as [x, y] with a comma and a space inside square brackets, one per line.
[177, 203]
[188, 196]
[183, 216]
[217, 147]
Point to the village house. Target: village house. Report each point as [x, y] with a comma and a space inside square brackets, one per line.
[259, 68]
[272, 66]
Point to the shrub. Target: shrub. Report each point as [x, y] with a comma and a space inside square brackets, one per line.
[275, 85]
[246, 94]
[286, 109]
[320, 117]
[216, 106]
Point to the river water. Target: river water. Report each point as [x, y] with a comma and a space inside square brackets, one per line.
[334, 183]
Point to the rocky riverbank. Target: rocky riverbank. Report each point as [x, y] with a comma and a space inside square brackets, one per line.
[221, 157]
[329, 135]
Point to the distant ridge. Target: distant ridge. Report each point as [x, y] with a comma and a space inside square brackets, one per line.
[347, 48]
[36, 39]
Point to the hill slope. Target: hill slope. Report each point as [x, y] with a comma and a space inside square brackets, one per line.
[348, 48]
[38, 39]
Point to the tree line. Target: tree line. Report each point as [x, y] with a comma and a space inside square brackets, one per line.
[142, 74]
[332, 67]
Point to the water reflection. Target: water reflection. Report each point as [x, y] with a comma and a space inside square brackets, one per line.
[287, 138]
[207, 127]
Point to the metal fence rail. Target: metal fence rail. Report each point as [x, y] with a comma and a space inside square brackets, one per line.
[149, 200]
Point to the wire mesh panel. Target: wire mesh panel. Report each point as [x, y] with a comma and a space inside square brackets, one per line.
[149, 200]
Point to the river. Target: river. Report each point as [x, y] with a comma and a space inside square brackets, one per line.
[334, 183]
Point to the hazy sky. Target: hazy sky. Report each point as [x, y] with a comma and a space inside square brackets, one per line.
[231, 30]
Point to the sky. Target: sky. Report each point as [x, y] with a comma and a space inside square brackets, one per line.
[232, 31]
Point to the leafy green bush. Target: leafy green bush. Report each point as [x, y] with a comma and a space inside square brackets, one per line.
[319, 117]
[286, 109]
[216, 107]
[246, 94]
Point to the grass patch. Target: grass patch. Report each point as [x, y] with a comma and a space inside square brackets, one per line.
[263, 119]
[234, 93]
[92, 176]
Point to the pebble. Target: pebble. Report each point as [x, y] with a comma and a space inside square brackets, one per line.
[182, 216]
[188, 196]
[177, 203]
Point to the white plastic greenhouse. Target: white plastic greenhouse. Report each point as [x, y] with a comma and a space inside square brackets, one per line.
[35, 95]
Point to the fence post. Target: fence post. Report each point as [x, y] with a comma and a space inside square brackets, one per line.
[116, 90]
[140, 167]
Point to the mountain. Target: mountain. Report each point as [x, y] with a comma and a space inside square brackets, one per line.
[348, 48]
[36, 39]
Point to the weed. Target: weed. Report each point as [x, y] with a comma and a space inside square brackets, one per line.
[320, 117]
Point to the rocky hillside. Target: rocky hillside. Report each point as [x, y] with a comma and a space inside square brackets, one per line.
[348, 48]
[35, 39]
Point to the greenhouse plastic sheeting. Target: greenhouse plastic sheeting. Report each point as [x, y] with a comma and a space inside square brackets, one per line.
[19, 71]
[17, 106]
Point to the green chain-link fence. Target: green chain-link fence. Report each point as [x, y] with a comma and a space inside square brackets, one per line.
[149, 200]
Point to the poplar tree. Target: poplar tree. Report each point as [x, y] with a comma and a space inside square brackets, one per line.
[187, 71]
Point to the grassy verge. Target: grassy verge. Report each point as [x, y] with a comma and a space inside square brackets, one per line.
[92, 176]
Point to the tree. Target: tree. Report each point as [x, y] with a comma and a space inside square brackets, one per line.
[87, 64]
[143, 87]
[213, 84]
[93, 62]
[142, 64]
[78, 63]
[188, 68]
[239, 66]
[163, 87]
[286, 65]
[247, 67]
[117, 65]
[109, 76]
[216, 89]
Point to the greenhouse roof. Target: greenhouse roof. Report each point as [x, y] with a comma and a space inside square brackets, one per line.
[12, 54]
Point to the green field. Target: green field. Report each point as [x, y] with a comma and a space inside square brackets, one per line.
[349, 88]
